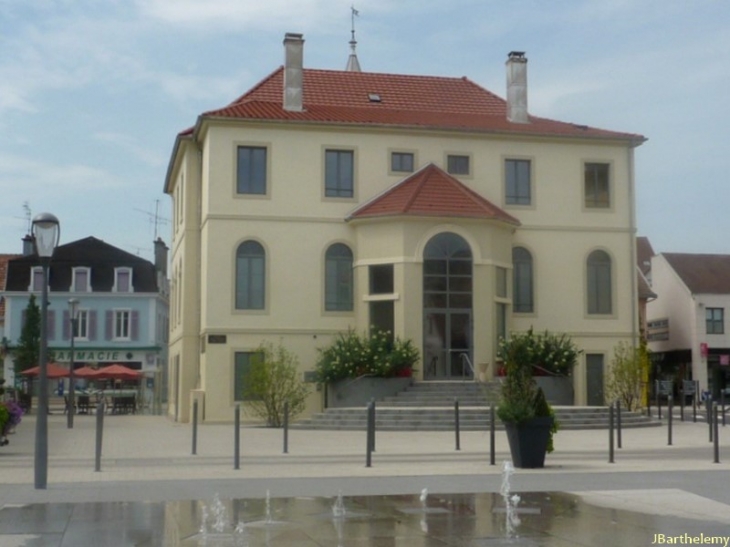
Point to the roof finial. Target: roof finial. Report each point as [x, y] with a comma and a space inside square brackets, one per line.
[353, 65]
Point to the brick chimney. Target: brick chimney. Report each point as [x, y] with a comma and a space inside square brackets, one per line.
[293, 71]
[517, 87]
[160, 256]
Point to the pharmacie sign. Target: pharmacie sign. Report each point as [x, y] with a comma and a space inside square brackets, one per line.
[98, 356]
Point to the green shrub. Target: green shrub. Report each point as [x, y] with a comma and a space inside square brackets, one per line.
[273, 381]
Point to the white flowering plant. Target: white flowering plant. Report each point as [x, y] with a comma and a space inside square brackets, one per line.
[546, 353]
[378, 354]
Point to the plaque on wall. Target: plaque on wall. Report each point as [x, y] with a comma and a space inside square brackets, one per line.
[217, 338]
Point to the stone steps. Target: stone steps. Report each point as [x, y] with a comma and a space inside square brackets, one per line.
[429, 406]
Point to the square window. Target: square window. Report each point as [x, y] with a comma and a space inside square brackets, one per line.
[517, 182]
[251, 170]
[715, 320]
[381, 279]
[339, 173]
[597, 190]
[457, 165]
[401, 162]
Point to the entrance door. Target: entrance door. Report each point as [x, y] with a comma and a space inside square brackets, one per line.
[447, 336]
[447, 308]
[594, 379]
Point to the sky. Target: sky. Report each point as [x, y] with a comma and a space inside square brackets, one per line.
[93, 93]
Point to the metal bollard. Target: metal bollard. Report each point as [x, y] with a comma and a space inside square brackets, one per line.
[681, 406]
[370, 434]
[372, 437]
[669, 421]
[610, 434]
[456, 423]
[722, 405]
[99, 434]
[237, 438]
[286, 427]
[618, 424]
[491, 436]
[195, 427]
[717, 437]
[659, 406]
[694, 408]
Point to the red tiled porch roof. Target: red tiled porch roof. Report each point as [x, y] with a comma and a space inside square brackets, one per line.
[431, 192]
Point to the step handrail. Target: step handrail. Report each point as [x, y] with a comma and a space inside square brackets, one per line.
[465, 358]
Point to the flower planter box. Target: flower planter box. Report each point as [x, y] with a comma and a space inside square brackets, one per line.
[359, 392]
[528, 441]
[558, 391]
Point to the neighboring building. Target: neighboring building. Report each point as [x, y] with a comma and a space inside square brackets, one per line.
[644, 252]
[122, 310]
[324, 200]
[4, 258]
[686, 324]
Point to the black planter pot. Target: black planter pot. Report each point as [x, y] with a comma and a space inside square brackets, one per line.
[528, 441]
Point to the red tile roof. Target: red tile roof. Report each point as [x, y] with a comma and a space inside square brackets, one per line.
[341, 97]
[431, 192]
[702, 273]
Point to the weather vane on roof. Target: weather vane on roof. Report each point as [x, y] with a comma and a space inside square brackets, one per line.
[352, 63]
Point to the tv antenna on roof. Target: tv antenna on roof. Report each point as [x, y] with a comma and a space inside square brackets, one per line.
[155, 217]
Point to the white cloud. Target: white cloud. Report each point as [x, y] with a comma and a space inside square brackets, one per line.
[133, 146]
[34, 178]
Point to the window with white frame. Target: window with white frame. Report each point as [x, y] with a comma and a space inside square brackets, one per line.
[122, 279]
[81, 280]
[36, 279]
[81, 332]
[122, 324]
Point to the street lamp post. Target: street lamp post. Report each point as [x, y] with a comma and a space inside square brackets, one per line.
[72, 308]
[45, 239]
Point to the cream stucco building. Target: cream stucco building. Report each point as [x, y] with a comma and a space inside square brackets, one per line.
[324, 200]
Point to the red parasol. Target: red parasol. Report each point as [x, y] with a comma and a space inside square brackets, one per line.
[86, 372]
[53, 371]
[117, 372]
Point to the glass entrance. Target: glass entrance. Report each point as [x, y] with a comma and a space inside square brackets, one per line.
[447, 308]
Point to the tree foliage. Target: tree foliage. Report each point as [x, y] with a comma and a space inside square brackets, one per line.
[274, 380]
[627, 373]
[28, 348]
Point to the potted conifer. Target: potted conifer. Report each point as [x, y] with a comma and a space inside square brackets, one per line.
[527, 416]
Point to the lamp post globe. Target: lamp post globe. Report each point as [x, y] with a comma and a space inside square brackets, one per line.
[46, 230]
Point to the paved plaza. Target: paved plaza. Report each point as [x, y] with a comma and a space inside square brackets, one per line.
[150, 483]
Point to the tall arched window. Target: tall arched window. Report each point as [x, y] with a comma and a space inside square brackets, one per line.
[250, 276]
[522, 281]
[447, 306]
[599, 290]
[338, 278]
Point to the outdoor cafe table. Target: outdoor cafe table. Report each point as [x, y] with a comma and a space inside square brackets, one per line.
[117, 401]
